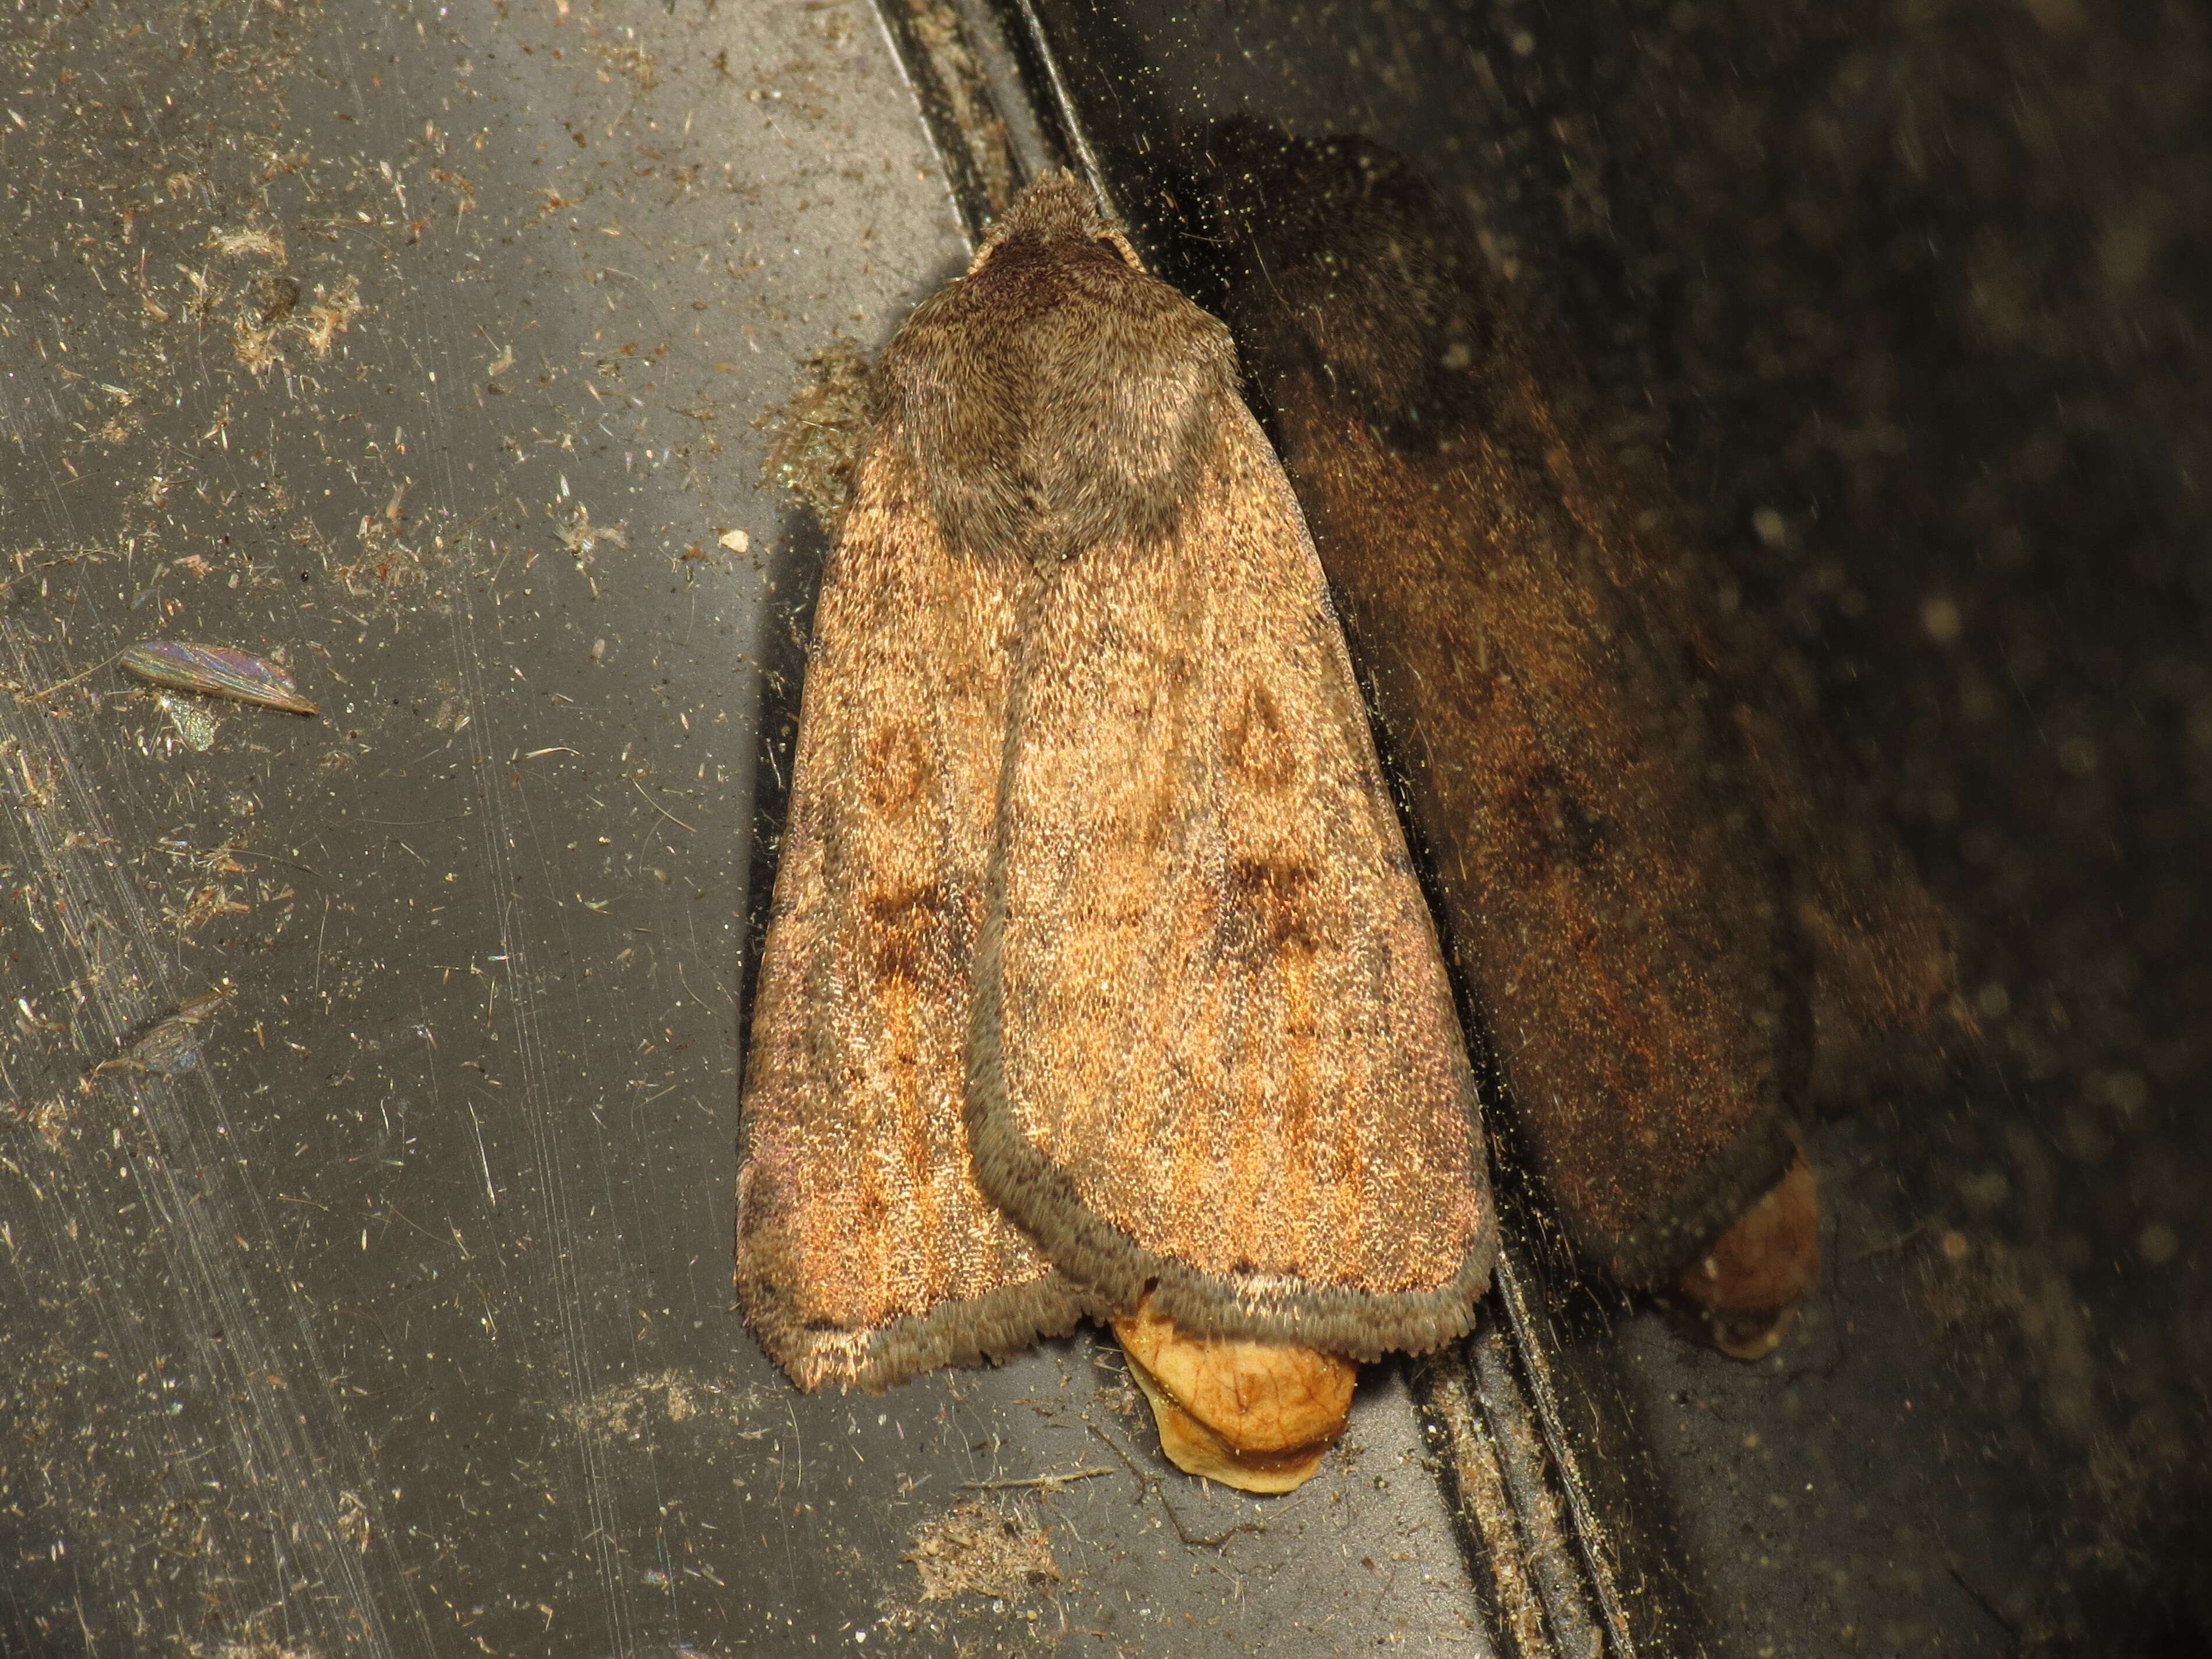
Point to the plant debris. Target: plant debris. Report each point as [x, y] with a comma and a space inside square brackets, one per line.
[978, 1548]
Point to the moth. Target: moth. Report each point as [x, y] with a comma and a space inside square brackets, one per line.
[1098, 979]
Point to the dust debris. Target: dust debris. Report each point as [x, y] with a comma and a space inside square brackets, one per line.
[622, 1409]
[206, 297]
[250, 239]
[331, 315]
[218, 860]
[353, 1520]
[254, 347]
[171, 1047]
[814, 439]
[49, 1117]
[629, 59]
[388, 564]
[936, 28]
[978, 1548]
[464, 193]
[581, 536]
[38, 792]
[277, 294]
[195, 723]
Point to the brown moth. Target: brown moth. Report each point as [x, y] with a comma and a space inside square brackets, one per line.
[1098, 975]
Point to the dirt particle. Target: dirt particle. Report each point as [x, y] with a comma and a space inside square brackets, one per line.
[814, 440]
[51, 1118]
[331, 315]
[623, 1410]
[277, 294]
[254, 347]
[249, 241]
[978, 1548]
[353, 1520]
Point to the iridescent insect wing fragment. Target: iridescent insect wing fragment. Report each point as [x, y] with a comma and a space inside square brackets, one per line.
[217, 670]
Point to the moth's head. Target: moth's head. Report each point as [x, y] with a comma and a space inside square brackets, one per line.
[1058, 208]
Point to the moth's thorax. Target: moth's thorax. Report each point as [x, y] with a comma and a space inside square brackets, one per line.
[1058, 396]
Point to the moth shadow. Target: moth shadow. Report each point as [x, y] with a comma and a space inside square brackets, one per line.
[794, 579]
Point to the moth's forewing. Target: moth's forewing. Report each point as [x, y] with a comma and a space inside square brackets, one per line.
[1216, 1050]
[865, 1252]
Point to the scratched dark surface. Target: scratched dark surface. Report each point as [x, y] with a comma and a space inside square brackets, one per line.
[419, 348]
